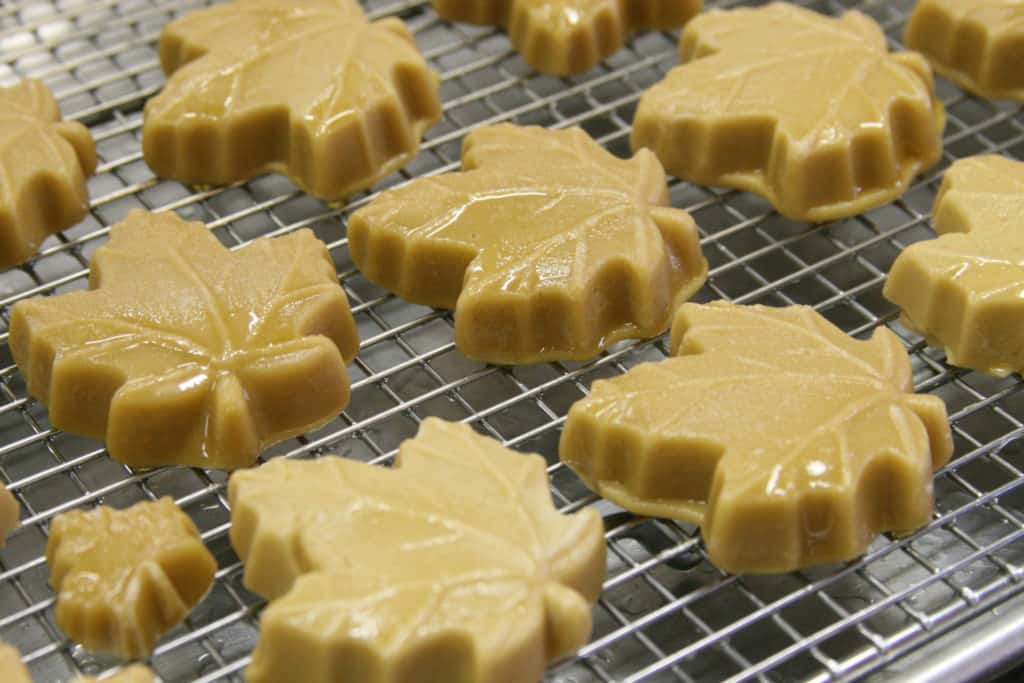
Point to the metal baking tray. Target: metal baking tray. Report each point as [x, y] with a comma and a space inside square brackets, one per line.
[666, 613]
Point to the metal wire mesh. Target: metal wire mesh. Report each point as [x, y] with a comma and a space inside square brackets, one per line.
[666, 613]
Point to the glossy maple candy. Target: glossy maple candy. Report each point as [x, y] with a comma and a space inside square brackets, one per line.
[124, 577]
[43, 166]
[787, 441]
[136, 673]
[811, 112]
[547, 246]
[977, 44]
[965, 290]
[565, 37]
[186, 353]
[11, 668]
[309, 88]
[9, 514]
[451, 566]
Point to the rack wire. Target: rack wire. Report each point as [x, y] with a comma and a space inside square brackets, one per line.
[666, 613]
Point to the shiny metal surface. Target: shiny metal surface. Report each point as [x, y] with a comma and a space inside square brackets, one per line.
[666, 614]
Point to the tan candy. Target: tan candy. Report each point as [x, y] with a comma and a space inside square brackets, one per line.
[10, 512]
[564, 37]
[186, 353]
[809, 111]
[43, 166]
[309, 88]
[11, 668]
[124, 577]
[964, 290]
[452, 566]
[788, 442]
[546, 246]
[977, 44]
[136, 673]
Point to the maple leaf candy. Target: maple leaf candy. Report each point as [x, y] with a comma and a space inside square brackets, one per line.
[451, 566]
[963, 291]
[787, 441]
[43, 165]
[9, 513]
[124, 577]
[977, 44]
[185, 353]
[565, 37]
[811, 112]
[11, 668]
[309, 88]
[547, 246]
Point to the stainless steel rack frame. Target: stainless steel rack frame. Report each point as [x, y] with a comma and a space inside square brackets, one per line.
[666, 613]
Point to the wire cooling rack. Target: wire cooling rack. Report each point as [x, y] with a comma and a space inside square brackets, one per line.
[666, 614]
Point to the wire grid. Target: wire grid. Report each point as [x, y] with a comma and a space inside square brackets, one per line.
[666, 613]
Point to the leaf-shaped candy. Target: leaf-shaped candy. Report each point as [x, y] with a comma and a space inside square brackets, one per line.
[43, 166]
[547, 246]
[124, 577]
[10, 512]
[964, 290]
[452, 566]
[310, 88]
[812, 112]
[787, 441]
[186, 353]
[563, 37]
[977, 44]
[11, 668]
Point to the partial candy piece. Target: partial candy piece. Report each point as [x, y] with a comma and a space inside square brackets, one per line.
[43, 166]
[963, 291]
[787, 441]
[309, 88]
[125, 577]
[10, 513]
[547, 246]
[809, 111]
[565, 37]
[977, 44]
[11, 668]
[451, 566]
[136, 673]
[186, 353]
